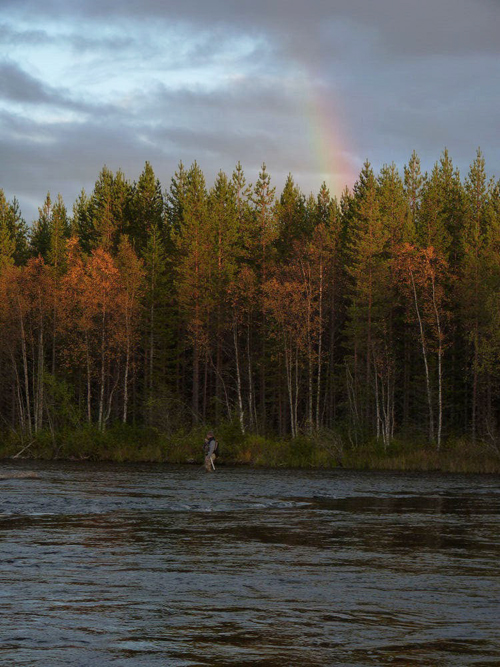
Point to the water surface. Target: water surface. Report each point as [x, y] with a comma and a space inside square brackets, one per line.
[155, 565]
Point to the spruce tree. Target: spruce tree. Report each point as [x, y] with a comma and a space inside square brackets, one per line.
[146, 209]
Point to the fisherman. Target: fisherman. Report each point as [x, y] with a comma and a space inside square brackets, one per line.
[210, 447]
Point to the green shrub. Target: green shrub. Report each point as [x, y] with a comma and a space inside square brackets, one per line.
[323, 449]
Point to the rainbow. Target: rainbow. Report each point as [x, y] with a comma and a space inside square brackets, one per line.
[329, 138]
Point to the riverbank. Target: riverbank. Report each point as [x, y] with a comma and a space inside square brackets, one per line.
[324, 450]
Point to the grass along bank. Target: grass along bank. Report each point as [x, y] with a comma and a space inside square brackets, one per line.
[326, 449]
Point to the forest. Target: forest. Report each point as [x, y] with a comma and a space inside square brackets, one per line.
[373, 318]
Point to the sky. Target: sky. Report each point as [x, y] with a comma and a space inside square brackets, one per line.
[310, 88]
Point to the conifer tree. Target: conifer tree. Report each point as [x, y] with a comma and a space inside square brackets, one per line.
[194, 268]
[474, 281]
[394, 210]
[380, 310]
[146, 208]
[14, 226]
[413, 182]
[158, 325]
[371, 373]
[108, 208]
[7, 240]
[242, 194]
[225, 239]
[59, 232]
[262, 249]
[40, 232]
[176, 198]
[327, 244]
[131, 273]
[81, 225]
[489, 353]
[241, 295]
[291, 217]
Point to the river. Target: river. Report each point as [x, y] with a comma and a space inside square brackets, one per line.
[168, 565]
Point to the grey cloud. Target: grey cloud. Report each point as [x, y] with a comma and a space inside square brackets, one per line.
[427, 106]
[253, 120]
[427, 26]
[19, 86]
[407, 75]
[216, 129]
[248, 99]
[113, 43]
[68, 157]
[82, 43]
[11, 36]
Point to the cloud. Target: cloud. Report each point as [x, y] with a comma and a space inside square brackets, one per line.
[10, 36]
[429, 26]
[19, 86]
[215, 128]
[101, 82]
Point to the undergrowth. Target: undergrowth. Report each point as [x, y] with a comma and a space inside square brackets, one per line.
[325, 449]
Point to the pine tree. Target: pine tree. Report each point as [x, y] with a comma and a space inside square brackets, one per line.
[81, 225]
[413, 182]
[176, 198]
[225, 239]
[108, 208]
[262, 249]
[40, 232]
[13, 227]
[131, 272]
[59, 232]
[158, 325]
[241, 296]
[474, 282]
[370, 374]
[440, 216]
[7, 240]
[394, 210]
[194, 267]
[146, 209]
[291, 217]
[327, 239]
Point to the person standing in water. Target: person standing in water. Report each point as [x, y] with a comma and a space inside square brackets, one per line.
[210, 449]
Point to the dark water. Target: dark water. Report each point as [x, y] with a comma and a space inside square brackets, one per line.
[120, 565]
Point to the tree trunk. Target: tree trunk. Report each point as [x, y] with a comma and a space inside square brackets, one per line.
[103, 377]
[426, 364]
[26, 373]
[196, 382]
[89, 387]
[289, 377]
[251, 399]
[320, 346]
[440, 367]
[125, 381]
[238, 376]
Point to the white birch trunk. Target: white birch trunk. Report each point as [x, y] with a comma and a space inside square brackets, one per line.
[424, 354]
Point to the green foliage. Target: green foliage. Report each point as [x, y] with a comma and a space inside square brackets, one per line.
[375, 316]
[292, 220]
[62, 408]
[81, 225]
[13, 233]
[145, 209]
[124, 443]
[40, 231]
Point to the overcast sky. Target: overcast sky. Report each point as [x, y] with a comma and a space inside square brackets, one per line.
[313, 88]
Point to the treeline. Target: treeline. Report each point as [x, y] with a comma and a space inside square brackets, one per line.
[377, 314]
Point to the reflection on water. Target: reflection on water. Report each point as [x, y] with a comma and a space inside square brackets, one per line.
[152, 565]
